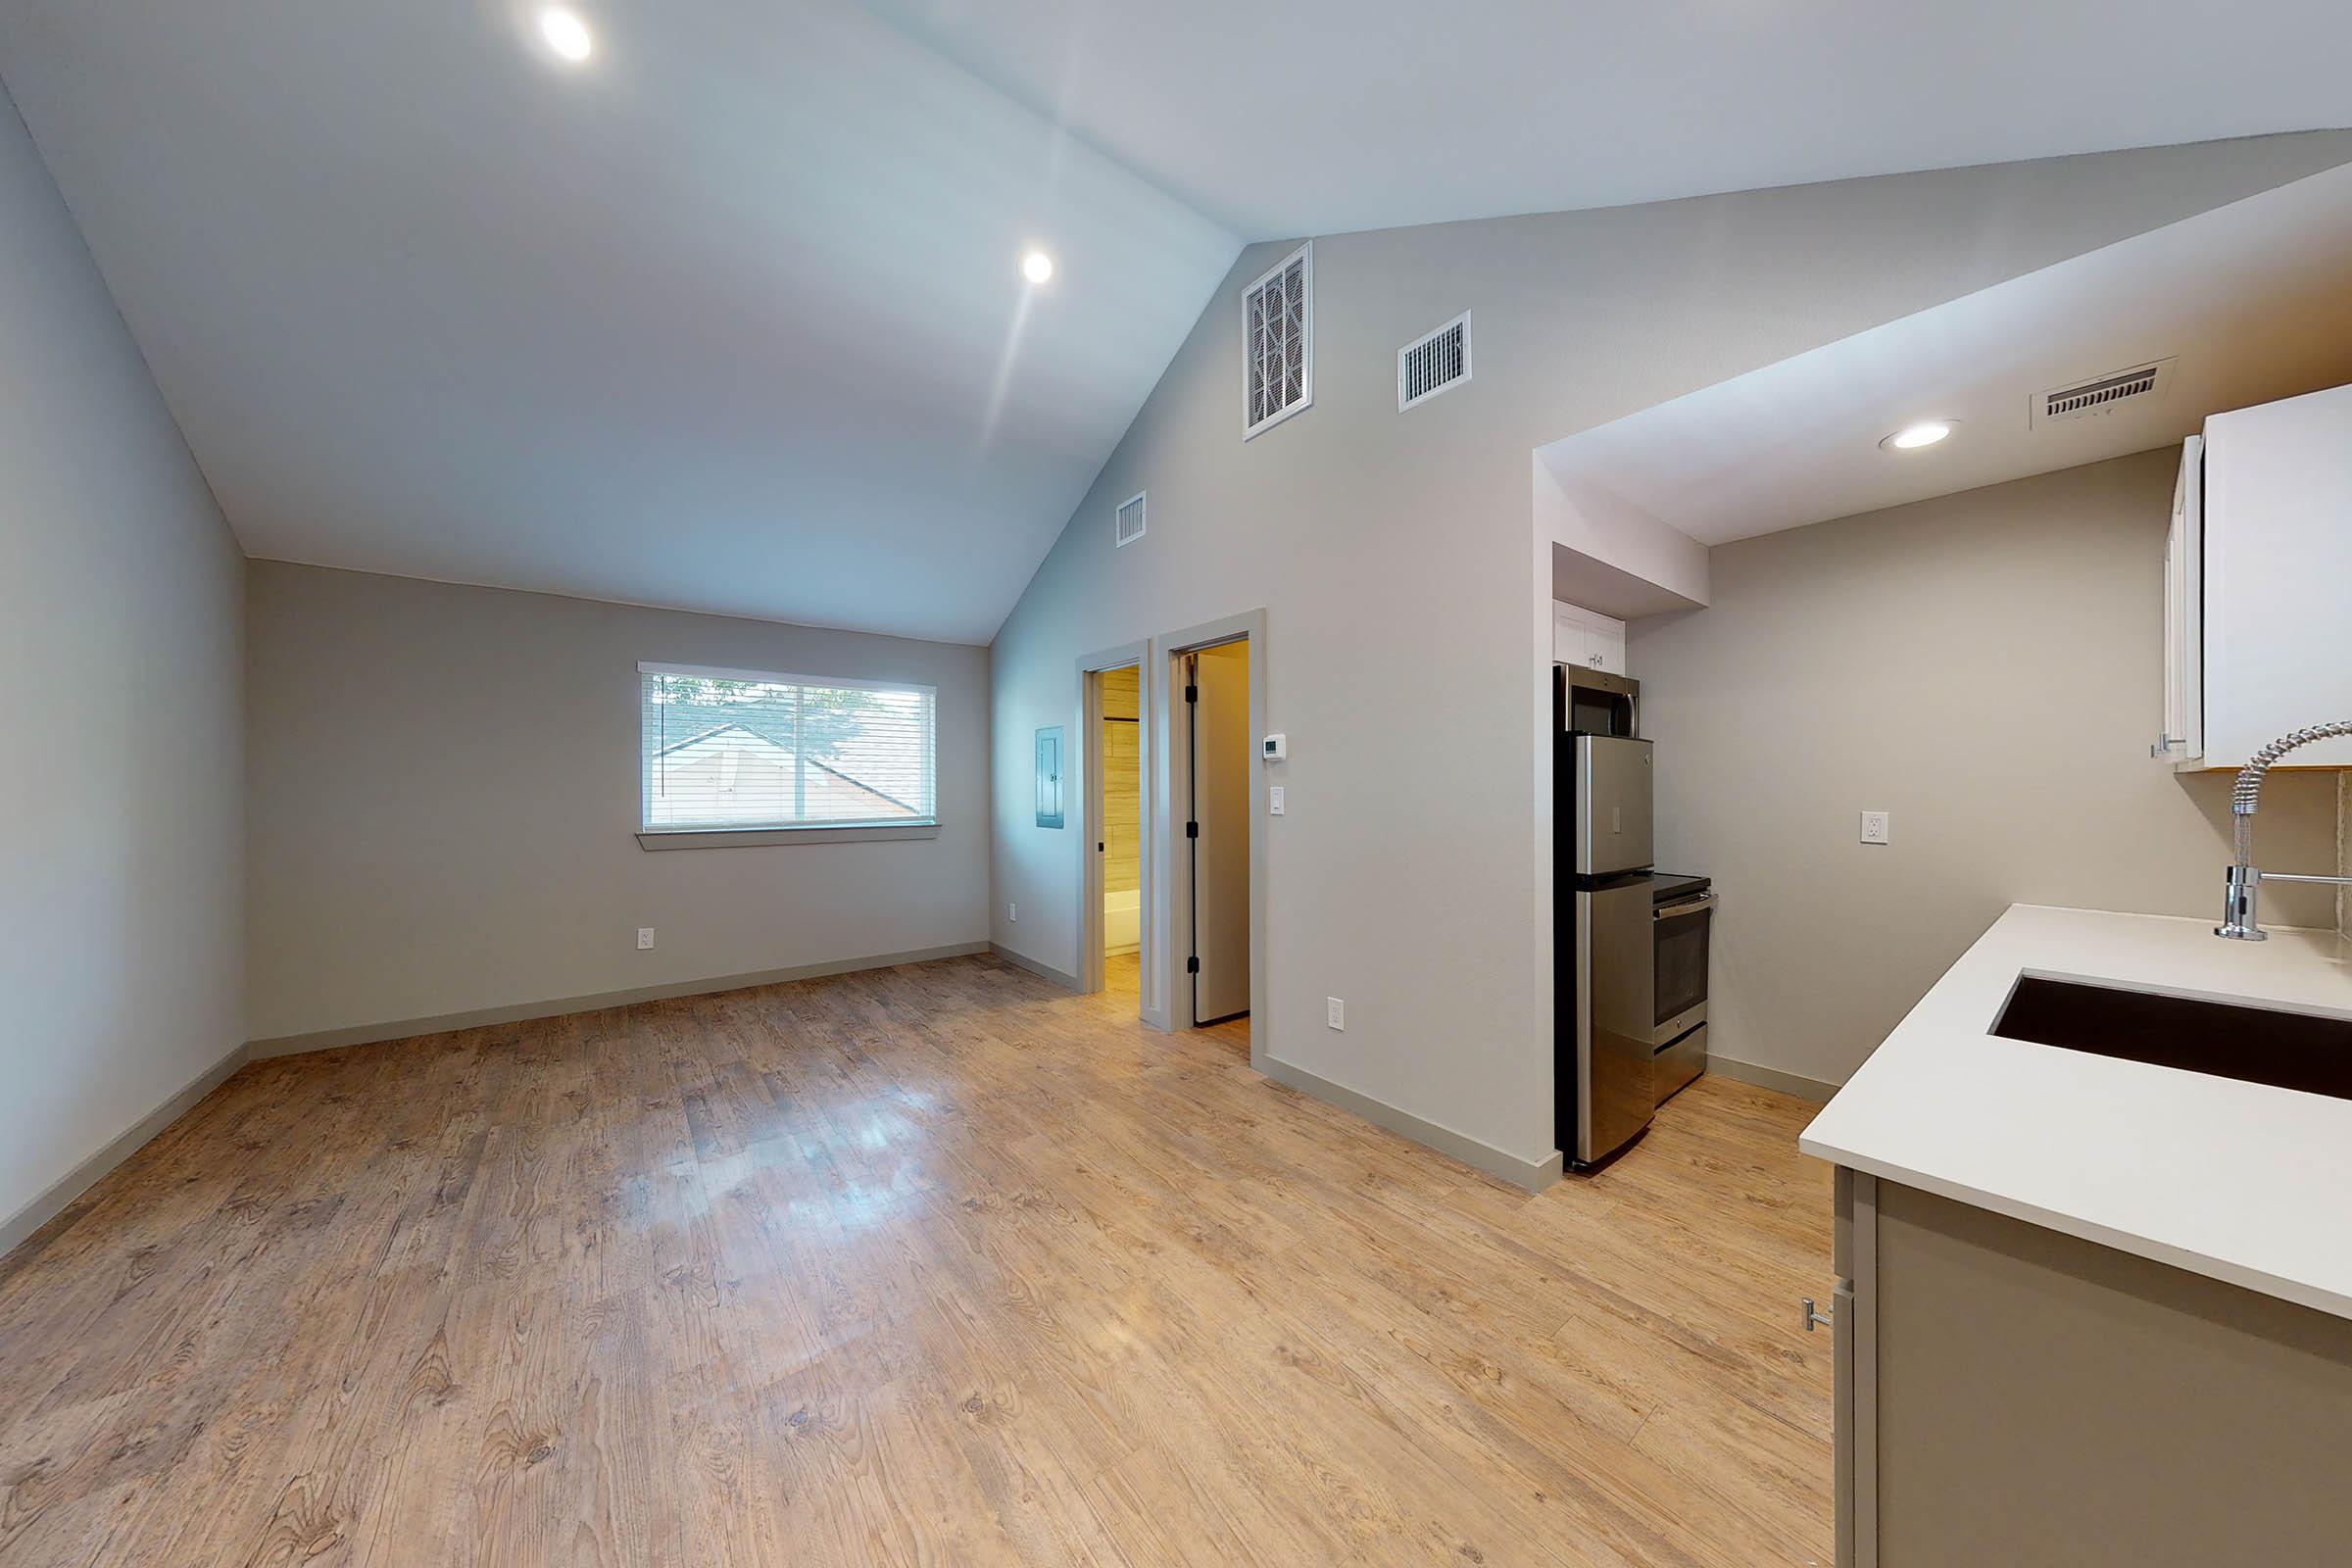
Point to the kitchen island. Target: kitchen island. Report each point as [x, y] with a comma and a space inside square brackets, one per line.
[2093, 1311]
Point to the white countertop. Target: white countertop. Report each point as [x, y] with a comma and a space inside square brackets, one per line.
[2239, 1181]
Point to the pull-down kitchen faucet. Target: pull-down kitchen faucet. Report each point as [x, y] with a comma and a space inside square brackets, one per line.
[2239, 922]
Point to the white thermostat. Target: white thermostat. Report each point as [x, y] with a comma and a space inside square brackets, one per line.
[1277, 747]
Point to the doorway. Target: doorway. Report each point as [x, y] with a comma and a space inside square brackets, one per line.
[1219, 807]
[1116, 745]
[1118, 824]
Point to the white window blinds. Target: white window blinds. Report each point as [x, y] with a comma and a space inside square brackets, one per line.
[721, 749]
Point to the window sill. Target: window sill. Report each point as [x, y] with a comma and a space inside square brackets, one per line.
[750, 838]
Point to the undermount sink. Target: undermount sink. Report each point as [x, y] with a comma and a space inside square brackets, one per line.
[2301, 1051]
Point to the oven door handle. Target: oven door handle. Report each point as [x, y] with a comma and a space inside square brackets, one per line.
[1675, 912]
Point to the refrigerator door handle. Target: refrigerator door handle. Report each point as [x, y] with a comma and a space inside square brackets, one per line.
[1583, 904]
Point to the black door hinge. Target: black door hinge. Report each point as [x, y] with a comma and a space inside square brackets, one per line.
[1191, 965]
[1097, 847]
[1192, 693]
[1192, 830]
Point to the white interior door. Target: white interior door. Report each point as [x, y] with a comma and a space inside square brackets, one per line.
[1221, 767]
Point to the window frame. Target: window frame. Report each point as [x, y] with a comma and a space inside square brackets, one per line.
[1305, 259]
[772, 834]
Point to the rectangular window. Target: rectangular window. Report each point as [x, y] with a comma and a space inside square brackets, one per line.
[1278, 342]
[723, 750]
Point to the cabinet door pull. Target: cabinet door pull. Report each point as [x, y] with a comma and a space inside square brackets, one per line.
[1815, 1317]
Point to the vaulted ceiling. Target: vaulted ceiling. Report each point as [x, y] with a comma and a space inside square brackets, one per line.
[729, 316]
[1321, 116]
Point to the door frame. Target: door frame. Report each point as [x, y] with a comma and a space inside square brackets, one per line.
[1090, 822]
[1170, 795]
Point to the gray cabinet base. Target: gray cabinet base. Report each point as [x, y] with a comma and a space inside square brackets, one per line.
[2042, 1400]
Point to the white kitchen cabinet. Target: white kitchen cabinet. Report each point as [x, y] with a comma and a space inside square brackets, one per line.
[2184, 734]
[2257, 584]
[1586, 637]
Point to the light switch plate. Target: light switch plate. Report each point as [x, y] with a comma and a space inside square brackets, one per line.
[644, 937]
[1335, 1013]
[1274, 800]
[1878, 827]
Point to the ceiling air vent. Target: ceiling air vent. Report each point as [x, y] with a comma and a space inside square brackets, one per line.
[1430, 365]
[2147, 383]
[1128, 525]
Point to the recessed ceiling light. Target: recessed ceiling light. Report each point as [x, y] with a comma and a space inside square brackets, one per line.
[1911, 437]
[566, 34]
[1036, 267]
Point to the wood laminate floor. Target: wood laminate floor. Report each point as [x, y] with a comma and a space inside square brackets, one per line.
[937, 1265]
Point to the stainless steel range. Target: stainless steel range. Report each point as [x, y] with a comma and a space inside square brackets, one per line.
[1681, 919]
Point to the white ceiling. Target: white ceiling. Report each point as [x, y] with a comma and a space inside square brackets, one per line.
[730, 319]
[2254, 299]
[1317, 117]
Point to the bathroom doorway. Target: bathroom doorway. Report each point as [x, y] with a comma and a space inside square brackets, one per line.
[1114, 747]
[1118, 833]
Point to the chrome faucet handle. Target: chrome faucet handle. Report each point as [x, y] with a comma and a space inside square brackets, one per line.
[2238, 917]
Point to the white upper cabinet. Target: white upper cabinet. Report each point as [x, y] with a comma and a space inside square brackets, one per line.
[2183, 736]
[1586, 637]
[2257, 584]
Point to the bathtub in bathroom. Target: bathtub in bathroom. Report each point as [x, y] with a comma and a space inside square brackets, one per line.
[1122, 921]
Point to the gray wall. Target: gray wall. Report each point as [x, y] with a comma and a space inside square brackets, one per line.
[121, 755]
[444, 799]
[1407, 596]
[1986, 667]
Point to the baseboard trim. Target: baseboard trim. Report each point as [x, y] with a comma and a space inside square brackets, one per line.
[409, 1028]
[1533, 1175]
[1763, 1077]
[1043, 971]
[60, 1194]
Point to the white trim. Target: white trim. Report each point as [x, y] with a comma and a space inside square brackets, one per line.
[1306, 379]
[753, 838]
[1406, 353]
[770, 677]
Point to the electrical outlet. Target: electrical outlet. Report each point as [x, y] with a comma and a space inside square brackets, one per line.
[1012, 913]
[644, 937]
[1335, 1013]
[1878, 827]
[1274, 800]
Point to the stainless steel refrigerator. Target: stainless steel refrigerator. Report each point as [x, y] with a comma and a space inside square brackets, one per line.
[1605, 965]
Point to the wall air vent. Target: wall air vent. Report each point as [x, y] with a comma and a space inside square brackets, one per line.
[1434, 363]
[1128, 527]
[1278, 342]
[2144, 384]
